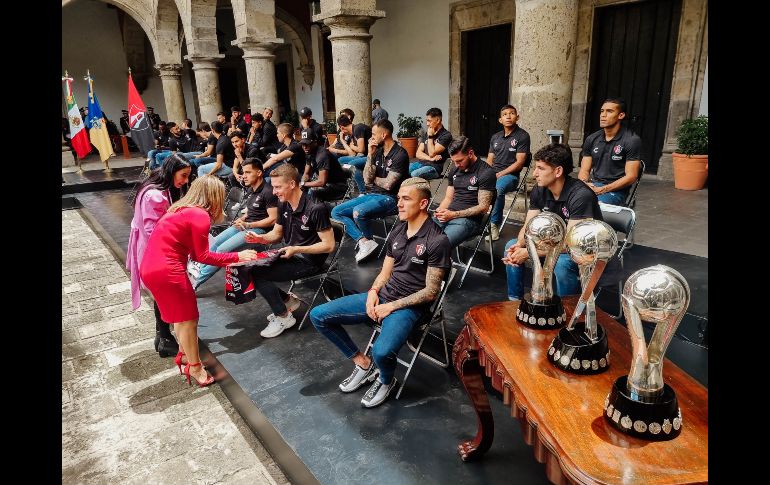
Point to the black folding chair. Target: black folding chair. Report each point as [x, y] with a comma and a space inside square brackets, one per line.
[234, 203]
[480, 237]
[330, 267]
[622, 220]
[521, 189]
[421, 330]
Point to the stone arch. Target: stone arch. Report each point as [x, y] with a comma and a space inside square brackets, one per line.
[295, 33]
[200, 36]
[166, 23]
[139, 11]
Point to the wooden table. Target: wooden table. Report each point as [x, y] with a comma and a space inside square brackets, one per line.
[561, 414]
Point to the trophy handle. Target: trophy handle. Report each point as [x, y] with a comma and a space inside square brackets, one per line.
[640, 368]
[539, 289]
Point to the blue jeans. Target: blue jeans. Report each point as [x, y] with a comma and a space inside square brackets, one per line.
[230, 240]
[617, 197]
[223, 170]
[189, 156]
[162, 156]
[459, 230]
[153, 156]
[428, 172]
[351, 310]
[504, 184]
[566, 276]
[358, 174]
[358, 213]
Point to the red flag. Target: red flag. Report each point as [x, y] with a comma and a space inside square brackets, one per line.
[138, 121]
[78, 134]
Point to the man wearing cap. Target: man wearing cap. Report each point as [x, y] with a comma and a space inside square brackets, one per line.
[387, 165]
[416, 261]
[154, 118]
[303, 225]
[307, 122]
[614, 154]
[330, 182]
[124, 122]
[378, 113]
[236, 122]
[432, 150]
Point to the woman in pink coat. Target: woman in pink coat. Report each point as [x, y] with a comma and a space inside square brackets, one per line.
[155, 195]
[182, 233]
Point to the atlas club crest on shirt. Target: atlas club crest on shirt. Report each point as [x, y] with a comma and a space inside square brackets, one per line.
[617, 150]
[473, 181]
[419, 250]
[304, 226]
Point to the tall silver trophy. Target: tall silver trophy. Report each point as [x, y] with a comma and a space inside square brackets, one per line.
[641, 404]
[540, 308]
[582, 348]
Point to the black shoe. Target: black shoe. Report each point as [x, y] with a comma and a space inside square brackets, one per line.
[167, 347]
[157, 340]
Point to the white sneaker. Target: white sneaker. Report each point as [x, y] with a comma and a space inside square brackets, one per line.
[377, 393]
[359, 377]
[276, 325]
[365, 249]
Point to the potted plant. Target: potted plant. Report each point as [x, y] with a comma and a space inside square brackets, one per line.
[331, 131]
[691, 155]
[408, 129]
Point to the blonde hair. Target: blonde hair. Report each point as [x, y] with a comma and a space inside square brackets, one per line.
[208, 193]
[287, 171]
[420, 184]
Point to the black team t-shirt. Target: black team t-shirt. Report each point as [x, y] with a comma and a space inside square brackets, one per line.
[258, 201]
[323, 159]
[505, 148]
[479, 176]
[301, 226]
[576, 201]
[397, 160]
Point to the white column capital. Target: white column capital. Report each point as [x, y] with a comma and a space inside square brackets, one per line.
[257, 48]
[204, 62]
[169, 71]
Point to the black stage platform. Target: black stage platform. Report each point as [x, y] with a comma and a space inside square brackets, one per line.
[292, 379]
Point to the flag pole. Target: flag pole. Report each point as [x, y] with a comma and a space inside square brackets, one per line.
[78, 163]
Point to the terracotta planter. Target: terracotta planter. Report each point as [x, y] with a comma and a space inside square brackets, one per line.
[690, 172]
[410, 145]
[332, 137]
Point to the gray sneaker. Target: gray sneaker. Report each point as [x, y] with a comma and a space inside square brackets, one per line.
[378, 393]
[359, 377]
[494, 232]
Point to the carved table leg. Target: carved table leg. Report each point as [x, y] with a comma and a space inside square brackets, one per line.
[466, 362]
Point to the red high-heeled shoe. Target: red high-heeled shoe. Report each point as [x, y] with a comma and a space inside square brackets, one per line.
[178, 361]
[207, 382]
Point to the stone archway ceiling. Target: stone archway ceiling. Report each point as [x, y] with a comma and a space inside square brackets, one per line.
[293, 32]
[141, 11]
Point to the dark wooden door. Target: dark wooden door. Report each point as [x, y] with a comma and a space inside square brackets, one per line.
[282, 83]
[633, 57]
[228, 89]
[487, 62]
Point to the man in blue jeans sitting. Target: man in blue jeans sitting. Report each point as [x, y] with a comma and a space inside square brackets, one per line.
[416, 261]
[614, 154]
[261, 213]
[569, 198]
[469, 194]
[508, 152]
[387, 165]
[356, 150]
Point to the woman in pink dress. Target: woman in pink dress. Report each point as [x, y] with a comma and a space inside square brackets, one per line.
[184, 232]
[153, 198]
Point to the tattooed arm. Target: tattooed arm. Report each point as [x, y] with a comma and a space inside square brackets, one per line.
[369, 170]
[433, 279]
[388, 182]
[485, 200]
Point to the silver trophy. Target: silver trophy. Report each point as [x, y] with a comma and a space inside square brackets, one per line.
[582, 348]
[540, 308]
[641, 404]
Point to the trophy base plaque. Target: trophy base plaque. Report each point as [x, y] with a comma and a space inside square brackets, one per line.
[541, 315]
[572, 351]
[651, 418]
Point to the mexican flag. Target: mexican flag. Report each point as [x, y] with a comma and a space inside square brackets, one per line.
[78, 134]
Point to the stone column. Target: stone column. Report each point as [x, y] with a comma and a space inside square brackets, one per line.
[171, 76]
[260, 71]
[543, 65]
[207, 84]
[350, 53]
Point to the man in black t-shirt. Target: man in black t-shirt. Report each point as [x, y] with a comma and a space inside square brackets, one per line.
[614, 154]
[270, 143]
[416, 263]
[308, 123]
[236, 122]
[569, 198]
[323, 175]
[225, 154]
[261, 213]
[508, 153]
[354, 144]
[242, 151]
[432, 151]
[387, 165]
[289, 151]
[303, 225]
[204, 151]
[469, 193]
